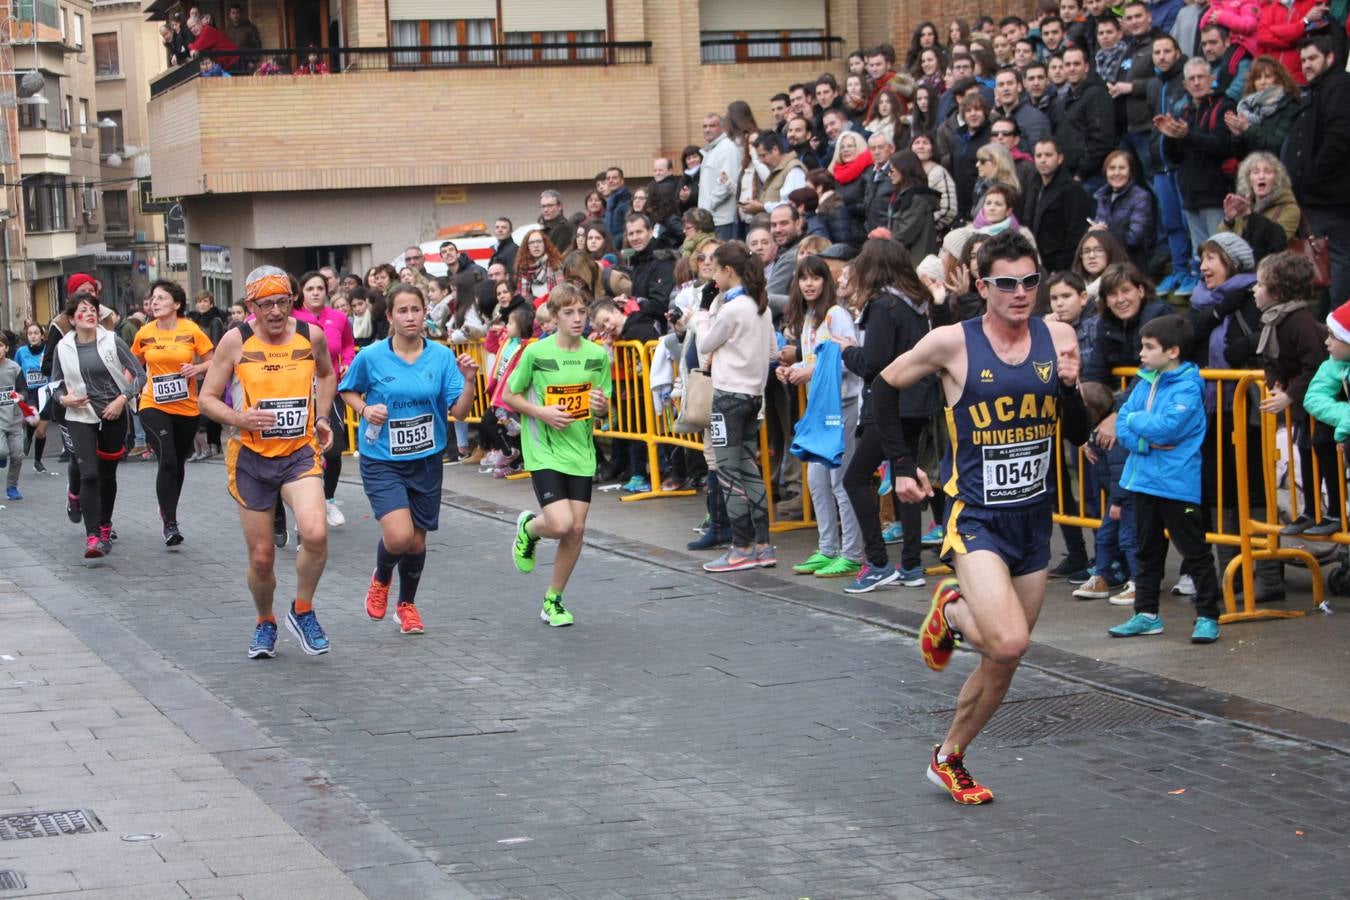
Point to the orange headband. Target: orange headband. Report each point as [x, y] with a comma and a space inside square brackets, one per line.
[267, 286]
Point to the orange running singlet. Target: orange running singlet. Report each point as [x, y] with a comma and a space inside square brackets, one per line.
[164, 353]
[279, 378]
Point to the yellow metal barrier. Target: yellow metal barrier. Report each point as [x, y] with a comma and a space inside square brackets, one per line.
[632, 415]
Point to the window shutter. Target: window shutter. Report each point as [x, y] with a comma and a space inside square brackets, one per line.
[432, 10]
[761, 15]
[551, 15]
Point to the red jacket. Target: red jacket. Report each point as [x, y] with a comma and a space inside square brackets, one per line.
[1280, 30]
[211, 40]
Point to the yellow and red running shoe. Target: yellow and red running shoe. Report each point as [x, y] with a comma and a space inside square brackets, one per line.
[951, 776]
[409, 619]
[936, 639]
[377, 599]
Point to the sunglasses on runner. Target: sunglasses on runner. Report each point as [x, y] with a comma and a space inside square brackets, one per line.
[1007, 283]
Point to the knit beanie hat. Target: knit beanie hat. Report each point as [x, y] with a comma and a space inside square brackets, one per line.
[956, 240]
[79, 280]
[1339, 322]
[1238, 250]
[931, 267]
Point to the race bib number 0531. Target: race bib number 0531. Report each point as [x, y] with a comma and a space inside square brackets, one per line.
[408, 436]
[1016, 472]
[168, 388]
[292, 417]
[575, 398]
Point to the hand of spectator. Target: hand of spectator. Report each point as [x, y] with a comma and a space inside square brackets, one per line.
[1120, 88]
[1088, 453]
[788, 355]
[751, 207]
[844, 341]
[1236, 122]
[1069, 365]
[1230, 304]
[781, 373]
[1317, 14]
[1106, 432]
[1094, 225]
[959, 280]
[684, 194]
[1277, 402]
[800, 374]
[1235, 206]
[936, 288]
[913, 490]
[1114, 512]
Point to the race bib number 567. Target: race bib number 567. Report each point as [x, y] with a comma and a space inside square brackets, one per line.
[292, 417]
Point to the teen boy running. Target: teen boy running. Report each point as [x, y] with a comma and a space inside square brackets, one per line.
[560, 386]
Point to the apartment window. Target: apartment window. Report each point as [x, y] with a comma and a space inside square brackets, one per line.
[116, 211]
[44, 12]
[766, 30]
[77, 31]
[68, 113]
[442, 33]
[106, 58]
[43, 115]
[110, 139]
[84, 116]
[44, 198]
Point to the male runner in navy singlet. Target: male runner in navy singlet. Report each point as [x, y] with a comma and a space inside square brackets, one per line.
[1008, 377]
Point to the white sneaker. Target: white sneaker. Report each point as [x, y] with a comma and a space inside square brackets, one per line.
[1125, 597]
[335, 517]
[1184, 587]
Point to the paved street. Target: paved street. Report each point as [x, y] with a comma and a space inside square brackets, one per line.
[689, 737]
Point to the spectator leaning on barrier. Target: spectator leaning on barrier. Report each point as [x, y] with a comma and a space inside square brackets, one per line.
[1316, 155]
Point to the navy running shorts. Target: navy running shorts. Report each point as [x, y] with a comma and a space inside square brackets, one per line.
[1019, 537]
[411, 484]
[255, 481]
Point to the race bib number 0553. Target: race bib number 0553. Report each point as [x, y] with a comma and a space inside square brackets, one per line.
[1016, 472]
[574, 398]
[408, 436]
[292, 417]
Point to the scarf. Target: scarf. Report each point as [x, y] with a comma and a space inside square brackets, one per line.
[1271, 317]
[361, 327]
[1263, 104]
[1205, 299]
[1108, 61]
[848, 172]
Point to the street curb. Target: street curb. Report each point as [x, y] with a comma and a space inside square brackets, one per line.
[1111, 678]
[378, 861]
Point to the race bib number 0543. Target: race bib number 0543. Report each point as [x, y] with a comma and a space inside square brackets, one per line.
[1016, 472]
[292, 417]
[408, 436]
[575, 398]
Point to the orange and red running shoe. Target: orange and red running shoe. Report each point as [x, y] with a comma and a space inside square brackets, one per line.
[409, 619]
[937, 641]
[377, 599]
[951, 776]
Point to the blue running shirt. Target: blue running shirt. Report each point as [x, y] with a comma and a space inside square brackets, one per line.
[418, 395]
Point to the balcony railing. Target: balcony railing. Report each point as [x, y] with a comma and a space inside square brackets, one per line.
[790, 45]
[404, 59]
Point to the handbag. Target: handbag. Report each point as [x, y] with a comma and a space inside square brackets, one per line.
[696, 406]
[1316, 250]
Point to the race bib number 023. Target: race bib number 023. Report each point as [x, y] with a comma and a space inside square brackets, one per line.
[574, 398]
[168, 388]
[292, 417]
[408, 436]
[1016, 472]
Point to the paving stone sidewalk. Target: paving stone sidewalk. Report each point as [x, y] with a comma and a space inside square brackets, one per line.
[74, 735]
[686, 738]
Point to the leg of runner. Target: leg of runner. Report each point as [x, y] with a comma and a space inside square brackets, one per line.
[332, 465]
[39, 445]
[112, 437]
[262, 578]
[170, 437]
[996, 619]
[14, 446]
[402, 546]
[305, 498]
[562, 520]
[85, 497]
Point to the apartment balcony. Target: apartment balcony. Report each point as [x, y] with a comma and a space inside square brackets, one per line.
[44, 152]
[50, 245]
[410, 116]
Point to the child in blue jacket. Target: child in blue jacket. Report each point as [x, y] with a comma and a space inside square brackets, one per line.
[1162, 425]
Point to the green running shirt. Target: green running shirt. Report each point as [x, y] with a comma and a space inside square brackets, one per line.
[550, 376]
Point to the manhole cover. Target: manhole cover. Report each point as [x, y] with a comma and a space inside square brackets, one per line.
[1030, 721]
[17, 826]
[11, 881]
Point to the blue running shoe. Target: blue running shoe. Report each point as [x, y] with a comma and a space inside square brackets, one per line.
[911, 577]
[893, 533]
[1187, 286]
[933, 536]
[1168, 284]
[1206, 631]
[1139, 624]
[264, 644]
[307, 631]
[638, 484]
[871, 577]
[885, 487]
[13, 494]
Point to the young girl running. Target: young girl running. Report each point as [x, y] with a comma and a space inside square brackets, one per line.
[561, 385]
[29, 358]
[403, 388]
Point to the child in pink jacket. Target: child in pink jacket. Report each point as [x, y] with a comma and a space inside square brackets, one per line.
[1240, 17]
